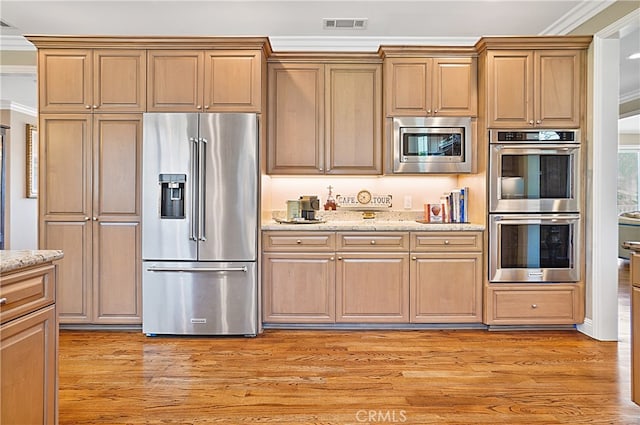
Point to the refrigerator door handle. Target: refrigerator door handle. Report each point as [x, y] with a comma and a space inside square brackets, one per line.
[202, 172]
[197, 269]
[193, 154]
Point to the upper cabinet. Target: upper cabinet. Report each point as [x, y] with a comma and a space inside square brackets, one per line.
[535, 82]
[211, 80]
[425, 86]
[92, 80]
[325, 118]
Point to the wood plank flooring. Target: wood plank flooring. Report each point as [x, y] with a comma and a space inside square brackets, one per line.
[347, 377]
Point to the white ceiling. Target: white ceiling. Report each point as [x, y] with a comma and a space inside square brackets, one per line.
[297, 24]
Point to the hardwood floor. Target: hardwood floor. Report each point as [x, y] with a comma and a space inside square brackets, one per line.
[348, 377]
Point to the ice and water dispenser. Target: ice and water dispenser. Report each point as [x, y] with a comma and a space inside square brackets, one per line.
[172, 195]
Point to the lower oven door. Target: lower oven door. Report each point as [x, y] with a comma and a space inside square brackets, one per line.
[534, 248]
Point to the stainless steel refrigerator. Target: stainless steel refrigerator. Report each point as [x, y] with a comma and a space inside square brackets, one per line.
[200, 224]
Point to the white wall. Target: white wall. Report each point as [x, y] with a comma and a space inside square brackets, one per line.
[21, 212]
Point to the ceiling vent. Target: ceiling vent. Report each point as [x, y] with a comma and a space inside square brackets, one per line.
[344, 23]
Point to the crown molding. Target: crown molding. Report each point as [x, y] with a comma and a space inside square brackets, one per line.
[360, 44]
[18, 107]
[576, 17]
[15, 42]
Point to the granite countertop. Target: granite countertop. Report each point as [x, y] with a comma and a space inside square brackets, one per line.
[353, 221]
[11, 260]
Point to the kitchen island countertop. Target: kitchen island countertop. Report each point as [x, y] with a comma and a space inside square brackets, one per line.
[373, 225]
[11, 260]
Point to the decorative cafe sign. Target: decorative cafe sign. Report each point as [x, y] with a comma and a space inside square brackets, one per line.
[364, 199]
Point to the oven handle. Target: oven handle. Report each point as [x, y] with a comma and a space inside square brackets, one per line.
[535, 218]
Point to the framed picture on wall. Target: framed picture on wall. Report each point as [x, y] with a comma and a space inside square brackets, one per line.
[32, 161]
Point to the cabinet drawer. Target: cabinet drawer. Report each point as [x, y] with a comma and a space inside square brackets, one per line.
[379, 241]
[26, 291]
[303, 241]
[446, 241]
[530, 305]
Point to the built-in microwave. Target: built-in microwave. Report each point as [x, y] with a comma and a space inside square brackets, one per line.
[432, 145]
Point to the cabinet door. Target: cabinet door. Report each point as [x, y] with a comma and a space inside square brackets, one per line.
[353, 119]
[117, 288]
[175, 81]
[117, 141]
[28, 365]
[298, 287]
[296, 119]
[233, 81]
[408, 86]
[558, 87]
[446, 288]
[74, 288]
[120, 78]
[372, 287]
[455, 89]
[66, 80]
[65, 167]
[510, 89]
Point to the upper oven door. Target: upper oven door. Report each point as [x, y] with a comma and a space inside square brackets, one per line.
[534, 178]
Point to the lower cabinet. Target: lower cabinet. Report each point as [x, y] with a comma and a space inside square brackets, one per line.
[635, 327]
[530, 304]
[28, 347]
[372, 277]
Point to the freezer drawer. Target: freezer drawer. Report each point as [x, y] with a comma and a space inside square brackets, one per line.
[203, 298]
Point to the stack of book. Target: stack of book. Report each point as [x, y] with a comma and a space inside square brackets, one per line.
[452, 208]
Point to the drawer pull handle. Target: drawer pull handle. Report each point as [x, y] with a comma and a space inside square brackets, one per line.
[373, 242]
[534, 305]
[298, 241]
[3, 301]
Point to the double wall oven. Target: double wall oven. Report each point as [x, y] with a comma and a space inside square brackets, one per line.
[534, 206]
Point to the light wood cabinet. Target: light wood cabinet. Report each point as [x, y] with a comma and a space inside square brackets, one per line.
[535, 88]
[446, 277]
[530, 304]
[325, 118]
[372, 287]
[90, 208]
[372, 277]
[635, 328]
[205, 81]
[298, 277]
[424, 86]
[28, 347]
[92, 80]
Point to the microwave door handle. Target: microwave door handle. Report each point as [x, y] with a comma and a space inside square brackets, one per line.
[193, 160]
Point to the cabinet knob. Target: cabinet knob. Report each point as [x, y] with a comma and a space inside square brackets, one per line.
[95, 106]
[446, 242]
[414, 258]
[3, 301]
[428, 111]
[87, 106]
[198, 106]
[538, 122]
[534, 305]
[332, 258]
[531, 122]
[339, 258]
[86, 218]
[206, 106]
[435, 111]
[320, 169]
[95, 218]
[373, 242]
[298, 241]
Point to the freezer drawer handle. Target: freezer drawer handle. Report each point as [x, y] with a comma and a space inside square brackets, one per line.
[196, 270]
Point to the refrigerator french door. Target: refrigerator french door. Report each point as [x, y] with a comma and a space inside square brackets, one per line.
[200, 224]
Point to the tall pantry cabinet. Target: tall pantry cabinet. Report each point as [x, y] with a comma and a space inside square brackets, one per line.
[91, 102]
